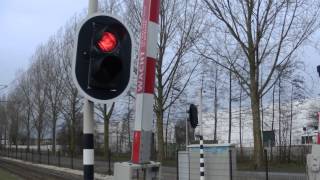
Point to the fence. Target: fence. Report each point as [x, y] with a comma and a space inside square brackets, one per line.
[297, 153]
[61, 159]
[243, 171]
[221, 165]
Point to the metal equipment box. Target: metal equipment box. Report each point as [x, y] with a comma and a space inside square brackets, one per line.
[130, 171]
[219, 161]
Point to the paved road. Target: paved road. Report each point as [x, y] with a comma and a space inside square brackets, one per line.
[30, 172]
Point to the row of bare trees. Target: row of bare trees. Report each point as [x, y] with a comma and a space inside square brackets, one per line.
[43, 97]
[247, 47]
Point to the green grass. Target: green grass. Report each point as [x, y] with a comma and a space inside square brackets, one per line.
[7, 176]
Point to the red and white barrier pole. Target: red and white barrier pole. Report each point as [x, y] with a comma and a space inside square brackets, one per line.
[318, 142]
[142, 140]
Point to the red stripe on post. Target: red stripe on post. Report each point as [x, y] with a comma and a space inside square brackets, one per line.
[136, 147]
[154, 11]
[150, 75]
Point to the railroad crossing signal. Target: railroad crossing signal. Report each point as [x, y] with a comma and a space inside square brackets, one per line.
[193, 115]
[102, 67]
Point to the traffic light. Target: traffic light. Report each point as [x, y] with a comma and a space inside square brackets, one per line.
[318, 69]
[193, 115]
[102, 67]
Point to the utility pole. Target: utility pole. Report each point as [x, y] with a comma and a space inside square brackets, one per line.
[88, 122]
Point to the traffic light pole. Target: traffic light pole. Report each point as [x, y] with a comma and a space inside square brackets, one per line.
[88, 123]
[202, 168]
[88, 145]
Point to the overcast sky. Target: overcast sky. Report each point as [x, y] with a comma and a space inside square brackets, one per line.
[24, 24]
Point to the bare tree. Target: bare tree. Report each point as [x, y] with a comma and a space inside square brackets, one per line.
[262, 32]
[39, 92]
[106, 115]
[297, 95]
[3, 121]
[71, 105]
[54, 82]
[230, 107]
[14, 117]
[25, 86]
[179, 29]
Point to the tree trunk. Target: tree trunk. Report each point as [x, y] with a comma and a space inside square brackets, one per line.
[39, 130]
[106, 132]
[73, 128]
[240, 123]
[166, 142]
[128, 126]
[28, 131]
[54, 125]
[117, 147]
[39, 141]
[258, 151]
[5, 136]
[160, 136]
[291, 117]
[167, 123]
[262, 114]
[255, 107]
[272, 123]
[215, 140]
[279, 115]
[230, 106]
[106, 120]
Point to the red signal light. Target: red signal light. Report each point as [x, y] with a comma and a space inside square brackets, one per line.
[107, 42]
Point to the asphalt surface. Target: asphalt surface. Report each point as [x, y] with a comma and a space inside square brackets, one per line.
[29, 172]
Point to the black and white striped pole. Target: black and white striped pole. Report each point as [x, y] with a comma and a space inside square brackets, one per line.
[202, 168]
[88, 145]
[201, 159]
[88, 122]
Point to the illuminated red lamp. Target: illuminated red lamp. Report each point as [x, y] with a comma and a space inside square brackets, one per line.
[107, 42]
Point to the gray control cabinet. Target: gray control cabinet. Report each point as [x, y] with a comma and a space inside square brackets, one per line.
[313, 163]
[130, 171]
[218, 162]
